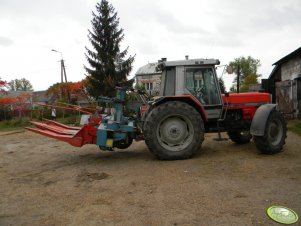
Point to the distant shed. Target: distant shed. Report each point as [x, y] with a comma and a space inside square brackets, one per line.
[284, 83]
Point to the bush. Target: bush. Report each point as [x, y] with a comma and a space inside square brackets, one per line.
[14, 124]
[5, 113]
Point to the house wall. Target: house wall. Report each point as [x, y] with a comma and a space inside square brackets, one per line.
[269, 85]
[291, 69]
[155, 79]
[298, 91]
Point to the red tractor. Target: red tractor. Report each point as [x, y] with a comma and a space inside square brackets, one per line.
[173, 125]
[191, 104]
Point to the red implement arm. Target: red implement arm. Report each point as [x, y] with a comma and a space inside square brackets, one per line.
[76, 136]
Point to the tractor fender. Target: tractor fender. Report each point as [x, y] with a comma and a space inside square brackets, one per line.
[183, 98]
[260, 118]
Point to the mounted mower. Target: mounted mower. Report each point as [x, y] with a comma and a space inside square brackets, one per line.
[173, 125]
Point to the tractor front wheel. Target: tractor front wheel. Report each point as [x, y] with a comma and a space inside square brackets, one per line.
[173, 130]
[274, 135]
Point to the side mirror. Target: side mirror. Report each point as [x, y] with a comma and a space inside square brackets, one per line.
[229, 69]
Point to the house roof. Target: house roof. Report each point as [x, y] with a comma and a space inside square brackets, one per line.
[295, 53]
[274, 71]
[147, 69]
[40, 96]
[25, 96]
[11, 93]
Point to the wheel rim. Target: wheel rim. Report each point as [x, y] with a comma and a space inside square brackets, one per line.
[175, 132]
[275, 132]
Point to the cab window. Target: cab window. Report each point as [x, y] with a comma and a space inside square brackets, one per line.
[201, 83]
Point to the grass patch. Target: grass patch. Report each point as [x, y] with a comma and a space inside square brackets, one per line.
[14, 124]
[295, 126]
[20, 123]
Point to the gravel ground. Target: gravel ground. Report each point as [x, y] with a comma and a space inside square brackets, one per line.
[46, 182]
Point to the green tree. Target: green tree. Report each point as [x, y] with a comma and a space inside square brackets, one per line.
[108, 64]
[248, 72]
[20, 85]
[249, 80]
[140, 87]
[68, 91]
[222, 85]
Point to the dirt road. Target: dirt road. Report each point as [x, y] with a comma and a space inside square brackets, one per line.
[45, 182]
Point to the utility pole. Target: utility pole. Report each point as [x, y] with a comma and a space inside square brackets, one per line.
[63, 74]
[63, 69]
[238, 74]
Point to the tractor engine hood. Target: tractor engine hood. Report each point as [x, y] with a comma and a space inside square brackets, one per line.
[244, 99]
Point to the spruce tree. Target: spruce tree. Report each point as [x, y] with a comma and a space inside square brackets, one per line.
[108, 64]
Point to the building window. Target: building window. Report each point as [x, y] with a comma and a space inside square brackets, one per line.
[148, 86]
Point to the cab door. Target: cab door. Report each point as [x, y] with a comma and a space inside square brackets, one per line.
[201, 82]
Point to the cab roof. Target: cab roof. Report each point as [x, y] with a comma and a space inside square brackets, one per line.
[190, 62]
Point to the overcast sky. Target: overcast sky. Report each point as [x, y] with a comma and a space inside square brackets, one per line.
[264, 29]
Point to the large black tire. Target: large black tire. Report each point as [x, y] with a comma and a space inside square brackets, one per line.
[240, 137]
[173, 130]
[274, 135]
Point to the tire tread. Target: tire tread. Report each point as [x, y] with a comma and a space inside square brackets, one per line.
[151, 124]
[262, 143]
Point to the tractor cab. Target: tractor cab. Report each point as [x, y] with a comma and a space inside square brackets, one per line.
[196, 78]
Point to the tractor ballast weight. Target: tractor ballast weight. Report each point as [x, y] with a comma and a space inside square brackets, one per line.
[173, 124]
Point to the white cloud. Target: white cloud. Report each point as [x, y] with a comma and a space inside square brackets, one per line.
[5, 41]
[266, 30]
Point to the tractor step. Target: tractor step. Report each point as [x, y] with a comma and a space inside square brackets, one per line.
[219, 137]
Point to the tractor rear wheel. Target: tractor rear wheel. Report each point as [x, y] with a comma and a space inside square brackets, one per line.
[274, 135]
[173, 130]
[240, 137]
